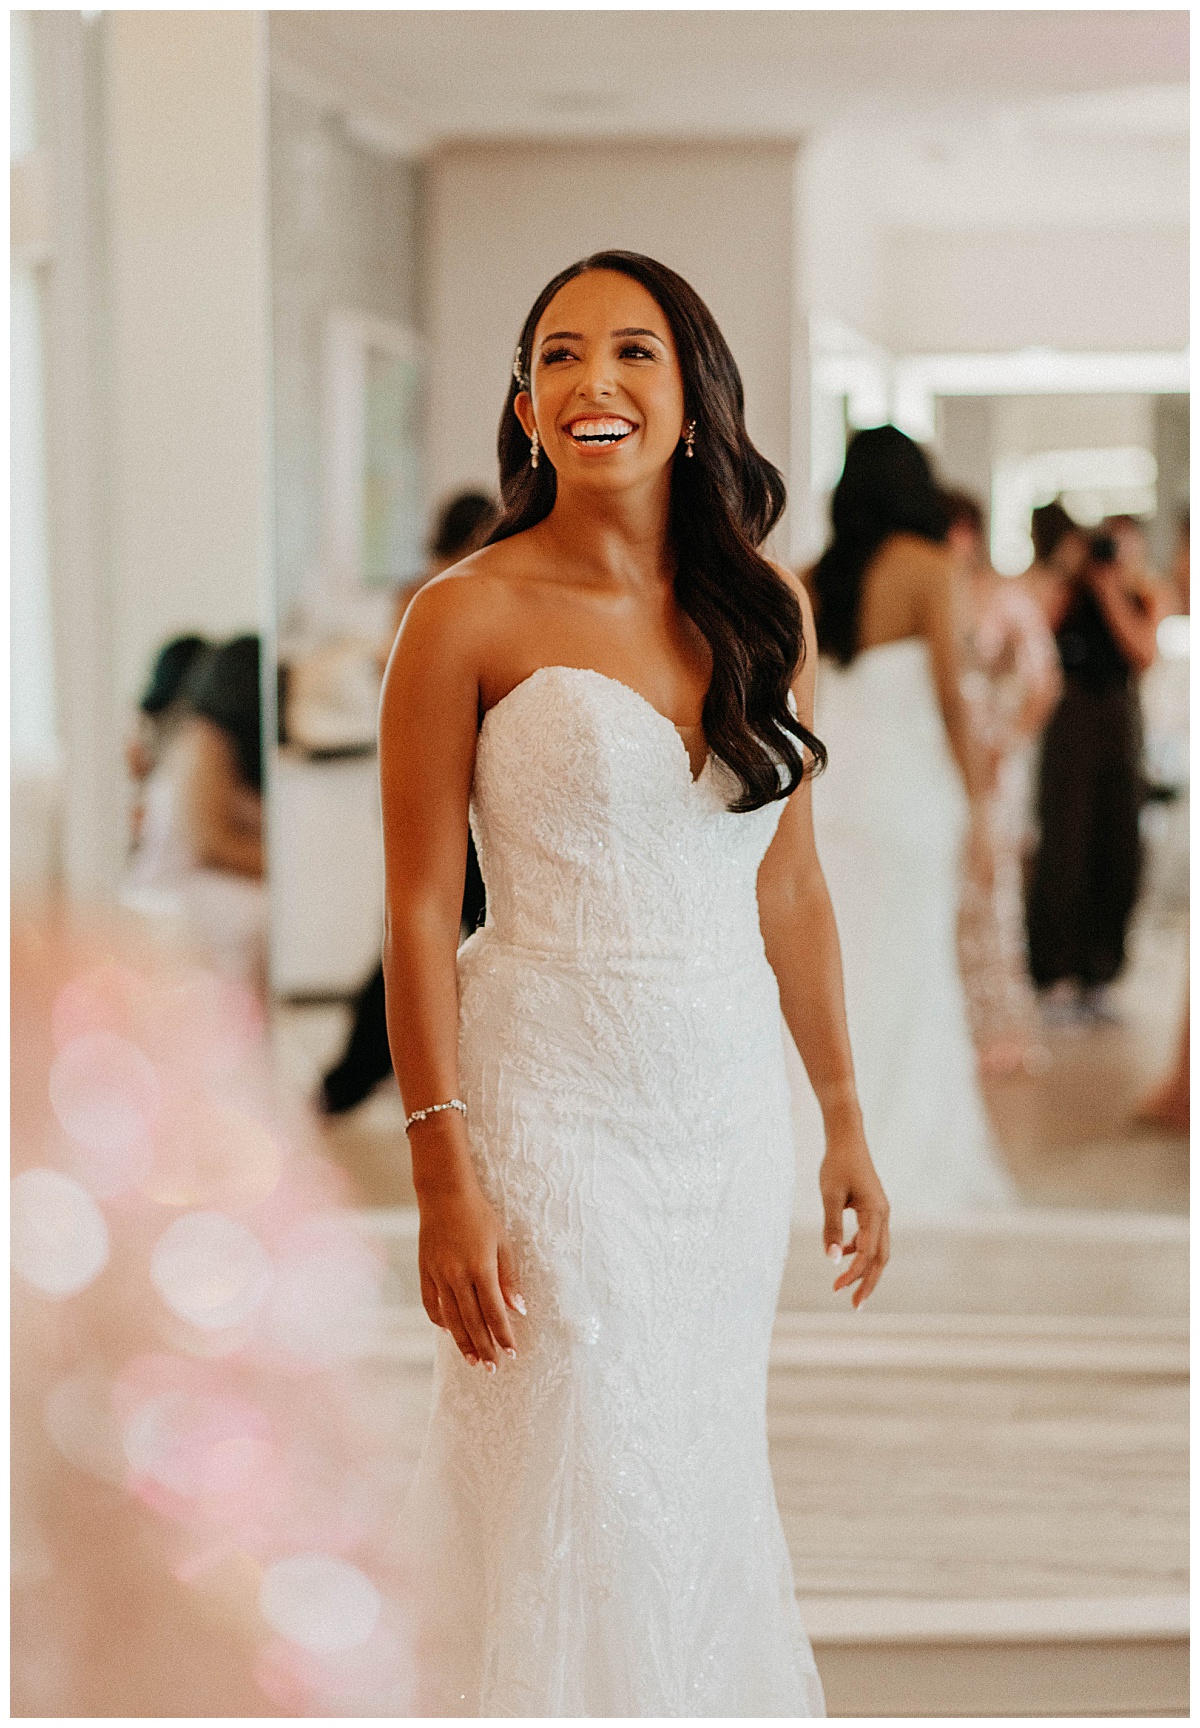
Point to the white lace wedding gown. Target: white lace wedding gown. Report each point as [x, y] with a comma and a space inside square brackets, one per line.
[593, 1530]
[890, 815]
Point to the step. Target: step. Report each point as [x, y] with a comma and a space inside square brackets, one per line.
[1035, 1261]
[1109, 1657]
[1033, 1344]
[986, 1507]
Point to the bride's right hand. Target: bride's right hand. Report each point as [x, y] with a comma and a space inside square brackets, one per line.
[468, 1279]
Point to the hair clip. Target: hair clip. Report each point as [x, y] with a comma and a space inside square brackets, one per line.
[517, 374]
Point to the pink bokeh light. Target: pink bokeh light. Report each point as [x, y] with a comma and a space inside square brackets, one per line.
[211, 1381]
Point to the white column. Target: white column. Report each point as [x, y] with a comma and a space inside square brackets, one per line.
[189, 322]
[158, 369]
[93, 811]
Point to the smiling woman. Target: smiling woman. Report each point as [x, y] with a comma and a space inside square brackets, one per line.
[634, 391]
[597, 1102]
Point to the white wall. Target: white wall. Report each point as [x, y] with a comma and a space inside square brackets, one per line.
[839, 274]
[35, 785]
[1026, 225]
[1104, 289]
[188, 363]
[156, 370]
[504, 219]
[33, 739]
[344, 237]
[1024, 425]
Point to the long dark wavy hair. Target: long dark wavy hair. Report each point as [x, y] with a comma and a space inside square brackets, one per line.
[887, 487]
[724, 503]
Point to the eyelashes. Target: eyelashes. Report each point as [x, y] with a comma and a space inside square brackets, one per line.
[627, 351]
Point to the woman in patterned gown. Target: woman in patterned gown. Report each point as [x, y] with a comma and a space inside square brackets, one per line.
[618, 689]
[1012, 682]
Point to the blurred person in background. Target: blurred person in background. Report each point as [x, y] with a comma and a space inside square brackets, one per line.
[1180, 576]
[158, 715]
[1012, 683]
[463, 523]
[1060, 549]
[908, 782]
[199, 862]
[1169, 1104]
[1085, 874]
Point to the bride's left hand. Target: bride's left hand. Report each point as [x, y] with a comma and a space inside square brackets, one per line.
[849, 1180]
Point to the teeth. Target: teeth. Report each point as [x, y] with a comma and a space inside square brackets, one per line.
[600, 431]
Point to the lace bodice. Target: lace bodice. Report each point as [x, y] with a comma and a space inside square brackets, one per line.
[593, 837]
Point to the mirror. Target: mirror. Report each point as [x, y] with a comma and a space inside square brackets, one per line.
[999, 271]
[267, 275]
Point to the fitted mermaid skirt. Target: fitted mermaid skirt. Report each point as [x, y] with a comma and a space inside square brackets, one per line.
[593, 1530]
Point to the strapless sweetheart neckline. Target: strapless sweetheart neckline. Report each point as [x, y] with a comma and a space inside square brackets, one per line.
[617, 684]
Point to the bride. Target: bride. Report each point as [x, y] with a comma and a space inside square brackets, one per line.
[619, 690]
[910, 789]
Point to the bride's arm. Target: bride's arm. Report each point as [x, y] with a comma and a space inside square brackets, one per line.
[427, 731]
[801, 941]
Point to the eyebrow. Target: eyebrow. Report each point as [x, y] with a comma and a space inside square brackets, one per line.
[577, 335]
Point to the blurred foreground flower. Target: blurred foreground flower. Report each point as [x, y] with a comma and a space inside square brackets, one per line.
[203, 1494]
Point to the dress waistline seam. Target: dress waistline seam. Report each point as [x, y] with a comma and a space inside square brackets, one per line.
[606, 959]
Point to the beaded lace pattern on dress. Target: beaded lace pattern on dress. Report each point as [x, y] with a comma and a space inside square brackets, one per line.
[593, 1530]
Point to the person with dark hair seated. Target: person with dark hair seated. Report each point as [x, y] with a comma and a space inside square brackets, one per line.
[199, 863]
[462, 524]
[158, 714]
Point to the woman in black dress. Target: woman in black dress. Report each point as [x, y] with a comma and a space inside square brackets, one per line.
[1085, 876]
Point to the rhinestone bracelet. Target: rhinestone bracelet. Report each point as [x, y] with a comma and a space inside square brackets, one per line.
[432, 1110]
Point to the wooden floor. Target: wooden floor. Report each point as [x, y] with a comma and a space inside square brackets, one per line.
[1068, 1135]
[993, 1498]
[923, 1455]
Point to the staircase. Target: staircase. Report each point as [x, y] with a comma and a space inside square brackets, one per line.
[982, 1474]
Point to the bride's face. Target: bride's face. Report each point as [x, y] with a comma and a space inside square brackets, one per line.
[607, 391]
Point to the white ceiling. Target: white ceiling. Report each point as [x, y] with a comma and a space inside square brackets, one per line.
[411, 80]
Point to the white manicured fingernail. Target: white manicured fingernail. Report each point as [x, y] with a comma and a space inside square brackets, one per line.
[491, 1367]
[509, 1351]
[518, 1303]
[833, 1251]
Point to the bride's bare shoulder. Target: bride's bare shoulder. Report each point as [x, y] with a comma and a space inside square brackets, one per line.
[474, 599]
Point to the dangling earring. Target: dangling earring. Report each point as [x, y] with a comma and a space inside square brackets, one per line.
[689, 437]
[533, 449]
